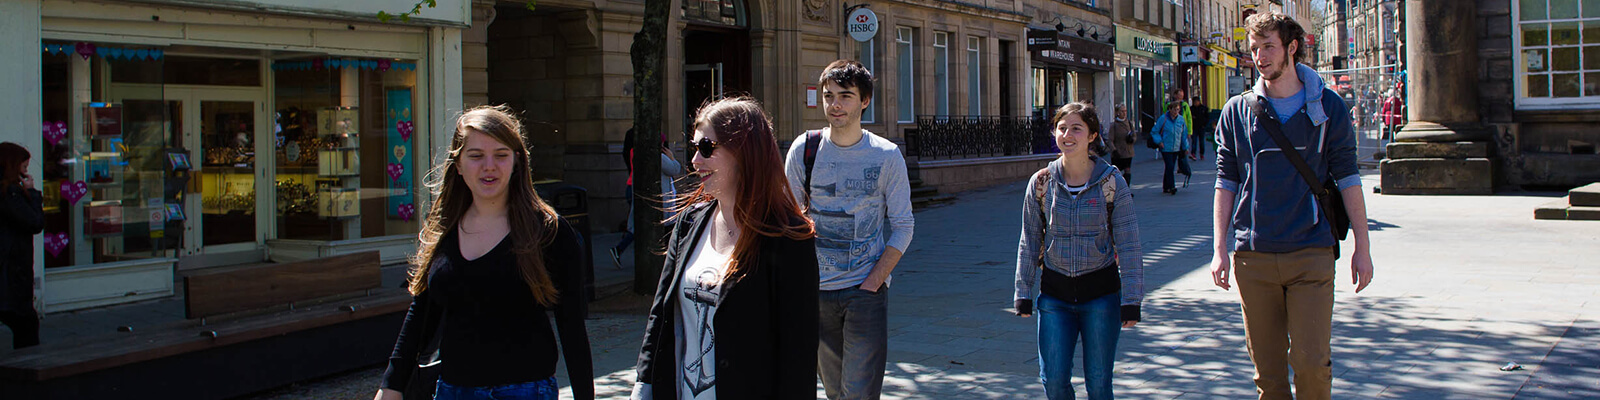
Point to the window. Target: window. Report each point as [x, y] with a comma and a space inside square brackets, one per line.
[975, 75]
[905, 40]
[941, 73]
[1558, 47]
[867, 60]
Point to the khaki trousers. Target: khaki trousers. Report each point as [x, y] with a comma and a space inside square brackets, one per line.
[1287, 300]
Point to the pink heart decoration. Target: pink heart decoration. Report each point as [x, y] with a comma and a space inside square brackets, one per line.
[54, 132]
[395, 170]
[383, 65]
[405, 128]
[55, 242]
[85, 49]
[406, 211]
[73, 191]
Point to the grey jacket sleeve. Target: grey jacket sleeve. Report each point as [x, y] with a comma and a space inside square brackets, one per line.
[1031, 243]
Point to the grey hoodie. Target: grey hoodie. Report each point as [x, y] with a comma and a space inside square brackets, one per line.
[1072, 238]
[1274, 210]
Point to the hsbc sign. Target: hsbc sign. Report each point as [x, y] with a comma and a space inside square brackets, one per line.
[862, 24]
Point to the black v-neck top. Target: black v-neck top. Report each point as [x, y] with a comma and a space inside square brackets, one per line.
[494, 332]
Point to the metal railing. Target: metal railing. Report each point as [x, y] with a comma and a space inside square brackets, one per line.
[1364, 90]
[956, 137]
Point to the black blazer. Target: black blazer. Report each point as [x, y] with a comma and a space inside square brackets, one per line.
[766, 325]
[21, 217]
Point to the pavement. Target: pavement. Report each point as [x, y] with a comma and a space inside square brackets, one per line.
[1463, 285]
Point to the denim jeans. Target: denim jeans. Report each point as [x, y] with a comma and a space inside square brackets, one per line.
[1061, 324]
[543, 389]
[854, 342]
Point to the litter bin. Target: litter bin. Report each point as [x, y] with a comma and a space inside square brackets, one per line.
[572, 202]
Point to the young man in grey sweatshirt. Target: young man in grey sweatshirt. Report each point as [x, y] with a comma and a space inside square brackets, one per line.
[860, 200]
[1283, 248]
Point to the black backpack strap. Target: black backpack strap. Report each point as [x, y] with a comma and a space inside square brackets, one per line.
[813, 142]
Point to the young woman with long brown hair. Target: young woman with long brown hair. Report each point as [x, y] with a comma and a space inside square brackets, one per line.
[735, 313]
[490, 285]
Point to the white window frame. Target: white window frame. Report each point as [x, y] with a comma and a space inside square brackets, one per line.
[906, 84]
[1520, 64]
[974, 75]
[941, 84]
[869, 58]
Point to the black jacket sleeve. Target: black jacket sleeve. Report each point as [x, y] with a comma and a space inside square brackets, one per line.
[22, 209]
[796, 291]
[403, 360]
[564, 257]
[656, 327]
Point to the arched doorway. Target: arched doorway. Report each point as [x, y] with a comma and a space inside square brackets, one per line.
[716, 53]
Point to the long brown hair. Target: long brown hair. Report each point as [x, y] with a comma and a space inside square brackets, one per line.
[12, 156]
[766, 207]
[533, 222]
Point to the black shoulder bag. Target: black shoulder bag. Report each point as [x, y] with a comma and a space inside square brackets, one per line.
[425, 376]
[1327, 192]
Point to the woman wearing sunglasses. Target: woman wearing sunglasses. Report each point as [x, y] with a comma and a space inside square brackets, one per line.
[735, 313]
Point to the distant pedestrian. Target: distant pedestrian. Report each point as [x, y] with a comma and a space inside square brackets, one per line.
[21, 217]
[1201, 118]
[1122, 140]
[1171, 138]
[1270, 228]
[853, 184]
[735, 312]
[671, 169]
[1080, 237]
[481, 290]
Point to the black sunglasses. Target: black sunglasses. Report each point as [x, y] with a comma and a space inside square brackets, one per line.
[704, 146]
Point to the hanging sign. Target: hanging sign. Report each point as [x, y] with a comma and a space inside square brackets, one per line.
[863, 24]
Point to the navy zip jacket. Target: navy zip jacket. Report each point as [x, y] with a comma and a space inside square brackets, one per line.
[1274, 209]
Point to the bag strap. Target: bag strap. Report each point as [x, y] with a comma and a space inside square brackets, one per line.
[813, 142]
[1270, 124]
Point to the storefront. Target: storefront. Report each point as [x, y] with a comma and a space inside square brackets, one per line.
[189, 138]
[1145, 73]
[1065, 69]
[1221, 66]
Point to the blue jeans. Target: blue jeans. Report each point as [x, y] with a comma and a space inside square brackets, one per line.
[1061, 324]
[543, 389]
[853, 331]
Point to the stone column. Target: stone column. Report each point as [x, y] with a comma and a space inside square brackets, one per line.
[1443, 149]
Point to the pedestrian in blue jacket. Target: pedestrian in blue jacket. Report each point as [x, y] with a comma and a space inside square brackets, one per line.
[1171, 137]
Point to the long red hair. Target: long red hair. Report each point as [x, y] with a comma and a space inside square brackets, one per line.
[766, 207]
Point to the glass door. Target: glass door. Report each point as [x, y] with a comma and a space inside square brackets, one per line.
[225, 145]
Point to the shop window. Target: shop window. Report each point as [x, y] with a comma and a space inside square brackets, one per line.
[344, 144]
[869, 59]
[906, 102]
[941, 73]
[974, 75]
[106, 174]
[1558, 51]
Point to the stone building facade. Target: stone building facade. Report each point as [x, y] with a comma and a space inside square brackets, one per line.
[567, 65]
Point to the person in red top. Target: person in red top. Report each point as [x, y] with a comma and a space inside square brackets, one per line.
[1392, 115]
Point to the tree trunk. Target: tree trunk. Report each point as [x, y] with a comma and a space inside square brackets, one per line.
[648, 53]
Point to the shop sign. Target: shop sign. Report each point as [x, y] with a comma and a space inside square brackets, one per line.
[1238, 33]
[1051, 47]
[863, 24]
[1139, 43]
[1190, 54]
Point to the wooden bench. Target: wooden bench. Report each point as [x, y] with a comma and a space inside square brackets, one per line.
[251, 328]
